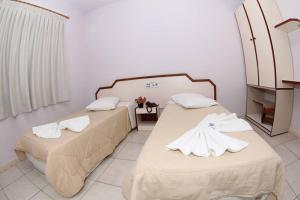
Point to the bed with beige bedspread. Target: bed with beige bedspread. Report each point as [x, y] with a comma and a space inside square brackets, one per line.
[72, 157]
[160, 174]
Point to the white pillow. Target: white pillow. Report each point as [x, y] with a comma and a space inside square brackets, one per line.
[114, 100]
[192, 100]
[104, 103]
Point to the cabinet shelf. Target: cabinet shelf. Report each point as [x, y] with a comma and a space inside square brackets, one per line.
[257, 118]
[289, 25]
[268, 61]
[262, 88]
[294, 82]
[264, 103]
[146, 120]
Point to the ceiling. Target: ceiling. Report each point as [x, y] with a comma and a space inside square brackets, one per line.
[88, 5]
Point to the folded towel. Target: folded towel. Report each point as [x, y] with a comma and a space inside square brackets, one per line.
[49, 131]
[207, 140]
[75, 124]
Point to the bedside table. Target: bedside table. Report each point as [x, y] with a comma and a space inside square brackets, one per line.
[145, 120]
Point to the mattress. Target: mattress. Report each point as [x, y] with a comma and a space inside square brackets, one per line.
[169, 175]
[71, 158]
[37, 164]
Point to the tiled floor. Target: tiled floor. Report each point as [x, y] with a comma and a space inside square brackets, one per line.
[288, 147]
[23, 182]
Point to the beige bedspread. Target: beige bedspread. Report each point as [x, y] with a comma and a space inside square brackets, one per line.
[70, 158]
[169, 175]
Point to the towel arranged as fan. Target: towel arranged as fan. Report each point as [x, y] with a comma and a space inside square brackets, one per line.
[53, 130]
[207, 139]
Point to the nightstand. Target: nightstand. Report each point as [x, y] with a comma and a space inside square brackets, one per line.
[145, 120]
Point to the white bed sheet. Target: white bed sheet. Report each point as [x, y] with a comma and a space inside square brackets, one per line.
[38, 164]
[131, 110]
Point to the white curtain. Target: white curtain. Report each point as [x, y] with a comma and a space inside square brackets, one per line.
[32, 71]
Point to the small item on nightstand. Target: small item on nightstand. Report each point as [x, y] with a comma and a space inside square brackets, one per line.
[140, 101]
[150, 105]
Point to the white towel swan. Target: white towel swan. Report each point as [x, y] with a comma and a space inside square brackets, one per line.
[207, 140]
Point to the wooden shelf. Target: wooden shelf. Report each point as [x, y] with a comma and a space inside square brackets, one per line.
[262, 88]
[146, 120]
[291, 82]
[264, 103]
[257, 119]
[289, 25]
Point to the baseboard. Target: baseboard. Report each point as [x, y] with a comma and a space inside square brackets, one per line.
[295, 132]
[8, 165]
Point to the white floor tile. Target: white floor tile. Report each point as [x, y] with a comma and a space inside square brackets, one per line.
[100, 169]
[9, 176]
[22, 189]
[119, 148]
[51, 192]
[100, 191]
[41, 196]
[145, 132]
[288, 193]
[130, 152]
[37, 178]
[287, 156]
[25, 166]
[2, 195]
[293, 176]
[116, 172]
[138, 137]
[283, 138]
[279, 139]
[294, 146]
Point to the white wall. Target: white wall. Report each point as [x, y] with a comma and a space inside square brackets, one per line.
[13, 128]
[290, 9]
[133, 38]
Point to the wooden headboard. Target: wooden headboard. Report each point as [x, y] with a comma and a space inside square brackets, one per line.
[158, 88]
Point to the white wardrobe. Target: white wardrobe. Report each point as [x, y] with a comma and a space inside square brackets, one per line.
[268, 61]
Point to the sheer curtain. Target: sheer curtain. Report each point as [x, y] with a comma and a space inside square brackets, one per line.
[32, 71]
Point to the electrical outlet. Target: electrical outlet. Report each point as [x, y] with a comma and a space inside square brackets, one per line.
[152, 85]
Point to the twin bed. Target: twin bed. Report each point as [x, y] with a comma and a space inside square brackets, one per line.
[158, 174]
[168, 175]
[69, 159]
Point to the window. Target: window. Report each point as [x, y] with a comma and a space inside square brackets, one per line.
[32, 71]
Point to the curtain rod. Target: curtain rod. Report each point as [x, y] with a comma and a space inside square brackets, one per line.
[42, 8]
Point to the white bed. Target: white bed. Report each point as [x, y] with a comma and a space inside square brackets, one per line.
[41, 166]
